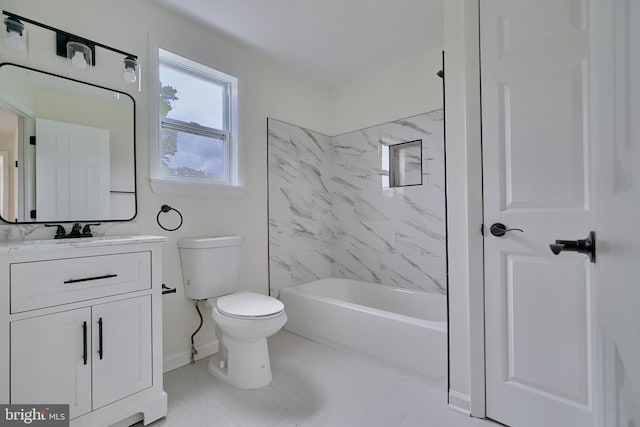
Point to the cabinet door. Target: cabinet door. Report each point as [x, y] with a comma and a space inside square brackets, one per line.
[121, 349]
[48, 363]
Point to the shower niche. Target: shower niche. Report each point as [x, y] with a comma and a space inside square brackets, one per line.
[403, 161]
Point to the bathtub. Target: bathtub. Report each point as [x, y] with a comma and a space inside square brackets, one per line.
[403, 329]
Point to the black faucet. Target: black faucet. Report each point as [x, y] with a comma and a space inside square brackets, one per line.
[60, 231]
[75, 231]
[86, 230]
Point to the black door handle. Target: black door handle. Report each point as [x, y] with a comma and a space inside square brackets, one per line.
[500, 230]
[583, 246]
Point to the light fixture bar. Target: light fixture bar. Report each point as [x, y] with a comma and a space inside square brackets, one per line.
[68, 37]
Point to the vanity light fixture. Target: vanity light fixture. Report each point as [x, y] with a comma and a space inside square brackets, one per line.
[79, 54]
[80, 51]
[130, 69]
[15, 36]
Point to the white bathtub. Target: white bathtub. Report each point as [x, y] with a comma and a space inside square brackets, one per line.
[404, 329]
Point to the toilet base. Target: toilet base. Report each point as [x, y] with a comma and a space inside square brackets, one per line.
[242, 364]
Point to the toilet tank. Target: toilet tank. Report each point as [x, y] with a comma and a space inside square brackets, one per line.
[210, 266]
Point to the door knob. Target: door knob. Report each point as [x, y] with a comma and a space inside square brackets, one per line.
[500, 230]
[584, 246]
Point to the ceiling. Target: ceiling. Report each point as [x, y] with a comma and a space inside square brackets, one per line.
[330, 41]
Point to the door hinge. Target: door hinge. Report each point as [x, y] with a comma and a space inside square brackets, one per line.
[482, 229]
[32, 214]
[32, 140]
[16, 163]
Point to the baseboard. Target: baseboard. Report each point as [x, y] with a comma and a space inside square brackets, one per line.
[127, 422]
[460, 402]
[177, 360]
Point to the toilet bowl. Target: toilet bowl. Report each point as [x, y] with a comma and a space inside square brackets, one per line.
[244, 320]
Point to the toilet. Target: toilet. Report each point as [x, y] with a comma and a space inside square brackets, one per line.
[244, 320]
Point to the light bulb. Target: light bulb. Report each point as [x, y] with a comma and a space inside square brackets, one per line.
[78, 60]
[15, 38]
[15, 41]
[130, 65]
[129, 75]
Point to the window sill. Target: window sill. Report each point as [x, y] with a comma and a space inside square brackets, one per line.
[161, 186]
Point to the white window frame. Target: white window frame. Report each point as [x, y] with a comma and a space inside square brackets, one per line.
[234, 160]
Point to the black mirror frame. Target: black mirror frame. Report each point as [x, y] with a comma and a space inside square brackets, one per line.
[135, 172]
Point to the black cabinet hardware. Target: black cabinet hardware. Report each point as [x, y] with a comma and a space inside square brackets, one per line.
[167, 290]
[100, 337]
[87, 279]
[84, 341]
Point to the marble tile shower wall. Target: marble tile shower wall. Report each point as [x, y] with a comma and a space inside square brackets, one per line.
[331, 215]
[300, 219]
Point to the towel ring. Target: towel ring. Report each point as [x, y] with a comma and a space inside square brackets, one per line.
[164, 209]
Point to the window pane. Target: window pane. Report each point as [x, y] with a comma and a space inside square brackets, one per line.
[186, 155]
[196, 99]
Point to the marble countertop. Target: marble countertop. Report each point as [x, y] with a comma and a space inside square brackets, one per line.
[86, 242]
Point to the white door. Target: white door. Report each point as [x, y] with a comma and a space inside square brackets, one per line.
[51, 360]
[72, 172]
[536, 162]
[121, 349]
[616, 154]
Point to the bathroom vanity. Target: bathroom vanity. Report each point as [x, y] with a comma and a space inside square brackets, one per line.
[81, 323]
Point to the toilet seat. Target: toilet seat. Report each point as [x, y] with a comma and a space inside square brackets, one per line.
[249, 305]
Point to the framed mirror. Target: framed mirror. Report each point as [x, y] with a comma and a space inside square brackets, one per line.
[67, 149]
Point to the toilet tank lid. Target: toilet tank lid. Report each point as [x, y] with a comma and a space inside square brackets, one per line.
[210, 242]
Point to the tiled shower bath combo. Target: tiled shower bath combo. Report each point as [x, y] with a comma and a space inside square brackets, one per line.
[332, 214]
[351, 251]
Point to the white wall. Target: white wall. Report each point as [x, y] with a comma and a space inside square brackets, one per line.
[394, 91]
[266, 89]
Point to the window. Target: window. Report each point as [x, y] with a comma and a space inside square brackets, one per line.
[197, 125]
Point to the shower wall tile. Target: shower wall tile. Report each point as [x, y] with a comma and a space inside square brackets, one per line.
[310, 265]
[419, 239]
[355, 265]
[421, 273]
[279, 272]
[342, 205]
[366, 236]
[372, 205]
[393, 236]
[330, 215]
[300, 218]
[284, 163]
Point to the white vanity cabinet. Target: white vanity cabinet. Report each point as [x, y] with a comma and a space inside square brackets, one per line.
[82, 325]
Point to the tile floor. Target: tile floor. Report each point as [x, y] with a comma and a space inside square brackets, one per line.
[313, 385]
